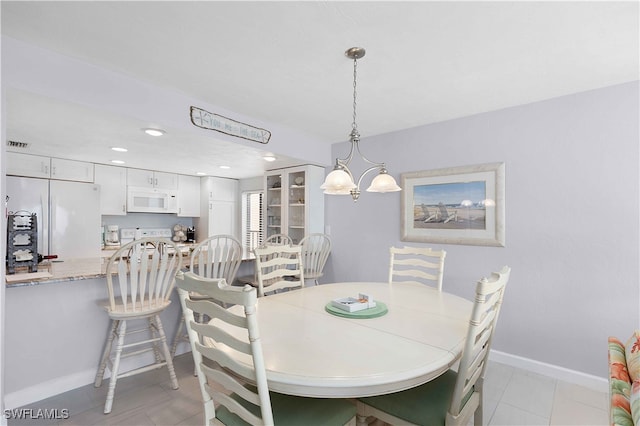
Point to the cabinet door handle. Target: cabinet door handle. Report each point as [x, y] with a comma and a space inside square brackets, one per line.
[151, 181]
[124, 208]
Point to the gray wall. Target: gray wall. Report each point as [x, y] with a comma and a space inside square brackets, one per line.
[572, 187]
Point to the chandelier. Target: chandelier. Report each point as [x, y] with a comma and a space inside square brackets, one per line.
[341, 180]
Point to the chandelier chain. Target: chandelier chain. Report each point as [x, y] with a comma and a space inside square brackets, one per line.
[354, 126]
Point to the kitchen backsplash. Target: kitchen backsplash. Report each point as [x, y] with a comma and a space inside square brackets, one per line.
[147, 220]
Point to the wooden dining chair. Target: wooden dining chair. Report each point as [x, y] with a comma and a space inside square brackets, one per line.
[279, 267]
[227, 361]
[272, 240]
[453, 397]
[417, 264]
[140, 278]
[315, 252]
[218, 256]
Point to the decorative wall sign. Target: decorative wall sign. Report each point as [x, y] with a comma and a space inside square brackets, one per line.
[210, 121]
[458, 205]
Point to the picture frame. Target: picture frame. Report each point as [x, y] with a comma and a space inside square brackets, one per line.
[456, 205]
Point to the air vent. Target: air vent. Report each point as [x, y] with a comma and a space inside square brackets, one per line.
[18, 145]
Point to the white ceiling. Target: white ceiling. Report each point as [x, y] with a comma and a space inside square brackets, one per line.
[283, 62]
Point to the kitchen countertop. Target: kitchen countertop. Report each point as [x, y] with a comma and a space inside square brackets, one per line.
[68, 270]
[78, 269]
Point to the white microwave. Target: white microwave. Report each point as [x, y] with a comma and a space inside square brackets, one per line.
[152, 200]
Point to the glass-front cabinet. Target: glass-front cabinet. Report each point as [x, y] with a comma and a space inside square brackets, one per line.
[295, 202]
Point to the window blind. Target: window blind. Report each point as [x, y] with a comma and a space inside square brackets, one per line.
[252, 228]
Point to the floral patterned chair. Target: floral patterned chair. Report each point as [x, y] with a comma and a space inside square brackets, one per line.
[624, 381]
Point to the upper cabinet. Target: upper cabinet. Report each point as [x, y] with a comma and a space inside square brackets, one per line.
[48, 168]
[221, 189]
[80, 171]
[188, 196]
[150, 179]
[113, 189]
[28, 165]
[294, 202]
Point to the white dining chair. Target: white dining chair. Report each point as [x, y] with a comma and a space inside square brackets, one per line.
[454, 397]
[417, 264]
[227, 361]
[218, 256]
[278, 268]
[315, 252]
[272, 240]
[140, 278]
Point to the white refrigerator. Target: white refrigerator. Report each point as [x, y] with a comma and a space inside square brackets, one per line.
[68, 214]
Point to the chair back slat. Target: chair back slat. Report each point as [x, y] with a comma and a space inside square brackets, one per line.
[213, 357]
[144, 270]
[417, 264]
[316, 248]
[235, 407]
[278, 240]
[278, 267]
[218, 256]
[221, 336]
[488, 300]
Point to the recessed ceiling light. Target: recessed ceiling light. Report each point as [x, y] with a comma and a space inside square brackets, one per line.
[225, 167]
[154, 132]
[269, 158]
[119, 149]
[201, 173]
[117, 161]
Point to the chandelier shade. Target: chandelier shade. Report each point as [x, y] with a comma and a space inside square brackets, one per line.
[338, 182]
[341, 181]
[383, 183]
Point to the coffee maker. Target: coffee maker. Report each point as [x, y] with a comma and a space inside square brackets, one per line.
[111, 238]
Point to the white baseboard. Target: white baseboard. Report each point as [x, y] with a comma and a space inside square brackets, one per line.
[63, 384]
[597, 383]
[48, 389]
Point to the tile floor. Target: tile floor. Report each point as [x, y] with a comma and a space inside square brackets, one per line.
[512, 397]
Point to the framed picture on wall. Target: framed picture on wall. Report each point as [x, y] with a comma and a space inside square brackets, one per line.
[457, 205]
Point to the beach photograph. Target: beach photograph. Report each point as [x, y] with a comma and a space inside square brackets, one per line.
[456, 205]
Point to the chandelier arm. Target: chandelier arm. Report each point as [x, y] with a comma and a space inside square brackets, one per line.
[382, 165]
[345, 161]
[345, 166]
[376, 166]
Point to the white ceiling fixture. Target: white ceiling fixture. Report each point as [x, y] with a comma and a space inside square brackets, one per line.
[118, 149]
[154, 132]
[341, 180]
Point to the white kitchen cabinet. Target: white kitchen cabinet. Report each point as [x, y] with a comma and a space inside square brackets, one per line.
[222, 218]
[113, 189]
[217, 188]
[79, 171]
[151, 179]
[219, 208]
[49, 168]
[188, 196]
[294, 202]
[28, 165]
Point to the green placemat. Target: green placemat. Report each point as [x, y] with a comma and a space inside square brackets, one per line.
[379, 310]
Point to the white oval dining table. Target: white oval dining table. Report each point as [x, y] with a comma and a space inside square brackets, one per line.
[310, 352]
